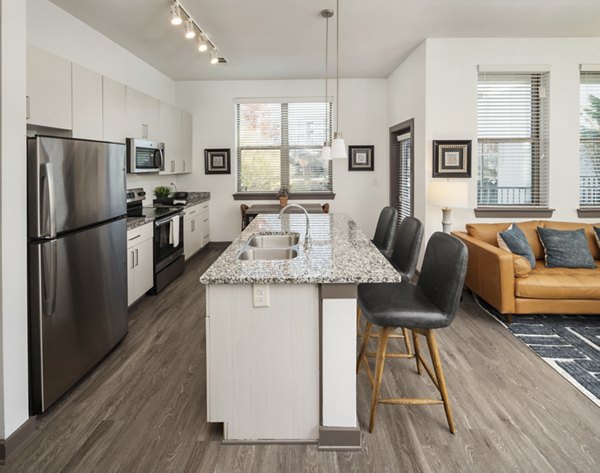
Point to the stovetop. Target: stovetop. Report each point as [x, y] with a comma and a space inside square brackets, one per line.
[153, 212]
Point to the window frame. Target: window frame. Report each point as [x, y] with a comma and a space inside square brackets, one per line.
[284, 149]
[539, 148]
[586, 211]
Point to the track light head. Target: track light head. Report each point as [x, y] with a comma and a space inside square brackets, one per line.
[202, 43]
[190, 32]
[176, 14]
[214, 58]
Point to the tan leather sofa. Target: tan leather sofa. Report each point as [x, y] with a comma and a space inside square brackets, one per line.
[504, 280]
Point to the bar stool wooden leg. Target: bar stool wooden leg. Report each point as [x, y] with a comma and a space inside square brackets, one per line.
[358, 334]
[439, 374]
[363, 346]
[416, 343]
[406, 340]
[381, 349]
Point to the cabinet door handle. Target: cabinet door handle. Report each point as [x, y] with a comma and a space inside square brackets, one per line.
[193, 225]
[205, 220]
[132, 259]
[27, 107]
[172, 166]
[137, 259]
[137, 236]
[183, 166]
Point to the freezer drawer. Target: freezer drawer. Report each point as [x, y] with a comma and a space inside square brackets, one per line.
[78, 306]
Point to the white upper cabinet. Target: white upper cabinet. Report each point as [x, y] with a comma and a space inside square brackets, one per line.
[114, 110]
[87, 104]
[186, 142]
[142, 115]
[170, 134]
[48, 89]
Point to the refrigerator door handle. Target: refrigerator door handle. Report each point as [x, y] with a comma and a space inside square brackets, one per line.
[49, 269]
[48, 202]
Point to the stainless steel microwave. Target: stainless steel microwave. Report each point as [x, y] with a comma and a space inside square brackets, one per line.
[145, 156]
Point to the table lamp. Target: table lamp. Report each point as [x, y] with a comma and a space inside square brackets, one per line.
[448, 195]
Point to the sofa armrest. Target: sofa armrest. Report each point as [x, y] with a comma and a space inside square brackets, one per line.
[490, 273]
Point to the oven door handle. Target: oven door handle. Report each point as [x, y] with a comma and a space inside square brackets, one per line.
[161, 159]
[159, 223]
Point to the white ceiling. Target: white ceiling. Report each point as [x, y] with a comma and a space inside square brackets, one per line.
[285, 39]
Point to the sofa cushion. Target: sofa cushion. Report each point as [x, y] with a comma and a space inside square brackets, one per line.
[488, 232]
[521, 266]
[560, 283]
[589, 233]
[566, 248]
[515, 241]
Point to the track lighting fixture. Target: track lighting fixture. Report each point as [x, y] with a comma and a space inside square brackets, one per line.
[202, 43]
[178, 15]
[189, 29]
[175, 14]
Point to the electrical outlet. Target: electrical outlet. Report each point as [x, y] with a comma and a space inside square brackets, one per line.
[260, 295]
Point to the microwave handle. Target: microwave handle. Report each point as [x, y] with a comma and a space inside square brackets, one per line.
[161, 159]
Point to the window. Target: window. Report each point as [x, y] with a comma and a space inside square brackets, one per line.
[589, 142]
[279, 144]
[512, 128]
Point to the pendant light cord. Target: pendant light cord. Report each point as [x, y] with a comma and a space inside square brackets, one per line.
[337, 68]
[326, 75]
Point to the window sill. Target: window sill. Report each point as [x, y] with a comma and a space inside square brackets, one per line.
[588, 212]
[516, 212]
[292, 196]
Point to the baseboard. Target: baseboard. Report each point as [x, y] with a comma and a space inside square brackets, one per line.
[10, 445]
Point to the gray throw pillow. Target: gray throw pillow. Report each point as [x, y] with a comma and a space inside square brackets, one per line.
[566, 248]
[597, 230]
[517, 243]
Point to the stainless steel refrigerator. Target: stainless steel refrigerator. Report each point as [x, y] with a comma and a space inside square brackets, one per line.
[77, 231]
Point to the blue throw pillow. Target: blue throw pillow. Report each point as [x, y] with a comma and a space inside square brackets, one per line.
[566, 248]
[517, 243]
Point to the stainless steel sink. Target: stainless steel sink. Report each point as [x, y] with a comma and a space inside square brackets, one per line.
[267, 254]
[274, 241]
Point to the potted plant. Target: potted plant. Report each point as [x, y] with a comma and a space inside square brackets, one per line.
[282, 195]
[162, 194]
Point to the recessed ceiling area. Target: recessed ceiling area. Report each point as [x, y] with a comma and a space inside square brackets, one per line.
[285, 39]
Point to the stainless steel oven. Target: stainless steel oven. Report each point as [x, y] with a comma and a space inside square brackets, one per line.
[168, 250]
[145, 156]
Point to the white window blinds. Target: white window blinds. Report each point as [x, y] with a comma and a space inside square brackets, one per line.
[279, 145]
[512, 129]
[589, 145]
[403, 150]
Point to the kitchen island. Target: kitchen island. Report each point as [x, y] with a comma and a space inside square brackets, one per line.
[281, 334]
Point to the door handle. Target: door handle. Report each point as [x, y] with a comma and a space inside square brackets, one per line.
[137, 259]
[193, 225]
[172, 166]
[183, 166]
[48, 214]
[49, 271]
[27, 107]
[132, 259]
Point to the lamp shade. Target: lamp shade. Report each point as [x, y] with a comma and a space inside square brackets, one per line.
[326, 153]
[338, 147]
[449, 194]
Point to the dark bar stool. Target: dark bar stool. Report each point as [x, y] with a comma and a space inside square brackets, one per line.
[385, 231]
[405, 255]
[424, 307]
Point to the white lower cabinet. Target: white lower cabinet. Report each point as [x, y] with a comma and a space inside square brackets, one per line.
[140, 269]
[196, 232]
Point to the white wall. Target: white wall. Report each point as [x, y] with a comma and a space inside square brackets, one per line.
[451, 108]
[406, 99]
[362, 118]
[14, 394]
[53, 29]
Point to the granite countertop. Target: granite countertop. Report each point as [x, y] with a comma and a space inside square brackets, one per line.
[339, 253]
[194, 198]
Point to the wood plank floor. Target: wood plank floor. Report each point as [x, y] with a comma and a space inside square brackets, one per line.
[144, 408]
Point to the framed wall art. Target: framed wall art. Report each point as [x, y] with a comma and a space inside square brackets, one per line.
[452, 158]
[217, 161]
[361, 158]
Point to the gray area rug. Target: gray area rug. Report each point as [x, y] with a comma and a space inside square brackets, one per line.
[568, 343]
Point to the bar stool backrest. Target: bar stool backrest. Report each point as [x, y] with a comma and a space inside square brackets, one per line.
[385, 231]
[407, 247]
[443, 272]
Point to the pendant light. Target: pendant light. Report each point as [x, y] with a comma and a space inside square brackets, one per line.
[326, 150]
[338, 145]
